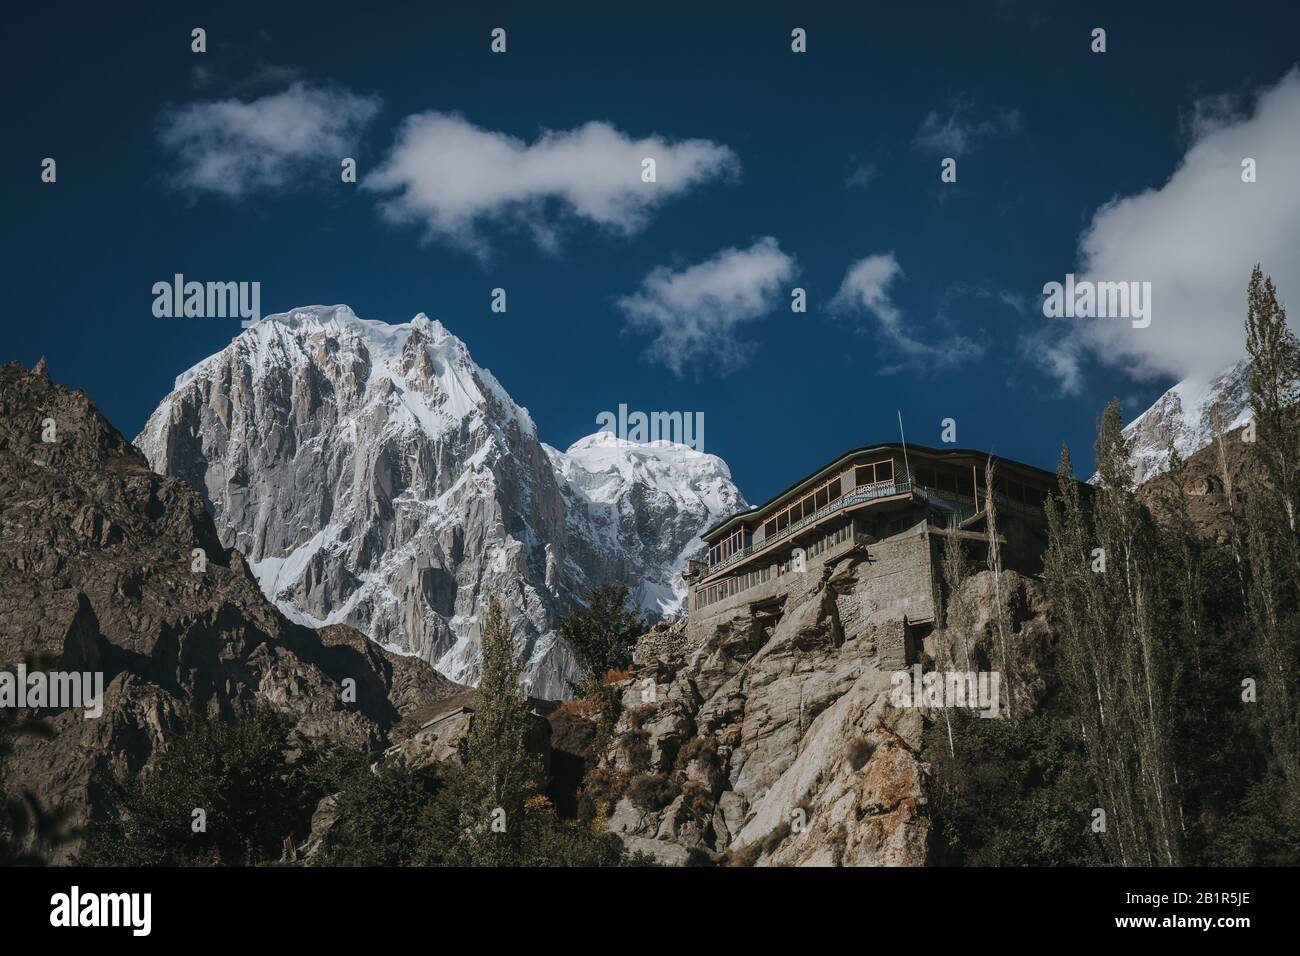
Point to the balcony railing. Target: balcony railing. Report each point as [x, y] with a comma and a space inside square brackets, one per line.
[962, 507]
[881, 489]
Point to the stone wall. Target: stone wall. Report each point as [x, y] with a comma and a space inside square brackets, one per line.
[665, 642]
[895, 583]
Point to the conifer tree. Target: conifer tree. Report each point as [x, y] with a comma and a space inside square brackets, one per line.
[603, 634]
[501, 771]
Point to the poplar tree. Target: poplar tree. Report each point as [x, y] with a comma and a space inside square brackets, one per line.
[1272, 543]
[1001, 609]
[1107, 573]
[956, 616]
[1274, 390]
[1185, 554]
[1086, 658]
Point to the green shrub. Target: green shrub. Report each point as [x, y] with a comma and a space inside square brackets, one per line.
[651, 791]
[222, 793]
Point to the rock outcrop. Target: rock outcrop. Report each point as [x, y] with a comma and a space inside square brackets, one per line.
[767, 732]
[108, 567]
[768, 737]
[1215, 482]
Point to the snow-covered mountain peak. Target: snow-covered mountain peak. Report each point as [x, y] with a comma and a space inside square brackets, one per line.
[603, 450]
[374, 474]
[602, 463]
[645, 504]
[1187, 414]
[419, 367]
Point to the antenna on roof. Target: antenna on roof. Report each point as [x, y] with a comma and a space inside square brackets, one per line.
[904, 437]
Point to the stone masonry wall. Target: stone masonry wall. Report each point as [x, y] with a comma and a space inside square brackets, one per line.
[896, 584]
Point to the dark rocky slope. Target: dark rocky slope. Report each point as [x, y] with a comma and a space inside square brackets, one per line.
[96, 555]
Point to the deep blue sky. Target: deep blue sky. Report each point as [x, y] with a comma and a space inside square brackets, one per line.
[87, 87]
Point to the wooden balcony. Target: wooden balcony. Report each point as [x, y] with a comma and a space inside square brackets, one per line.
[858, 496]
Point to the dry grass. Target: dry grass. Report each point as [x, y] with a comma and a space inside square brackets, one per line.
[575, 707]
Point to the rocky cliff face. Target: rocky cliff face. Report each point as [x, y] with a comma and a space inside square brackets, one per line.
[1214, 481]
[769, 737]
[768, 734]
[99, 573]
[374, 475]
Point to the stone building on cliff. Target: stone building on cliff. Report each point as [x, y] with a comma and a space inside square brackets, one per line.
[896, 505]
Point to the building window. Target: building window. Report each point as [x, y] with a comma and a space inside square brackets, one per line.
[874, 473]
[827, 494]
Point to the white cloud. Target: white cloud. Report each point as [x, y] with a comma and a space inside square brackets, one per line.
[866, 286]
[862, 176]
[866, 289]
[957, 133]
[1210, 112]
[694, 313]
[234, 148]
[1195, 240]
[453, 177]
